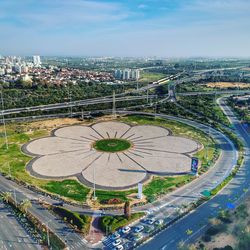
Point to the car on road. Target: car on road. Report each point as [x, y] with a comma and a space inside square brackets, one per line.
[115, 236]
[138, 228]
[125, 230]
[117, 242]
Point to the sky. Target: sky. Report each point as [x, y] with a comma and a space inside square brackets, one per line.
[161, 28]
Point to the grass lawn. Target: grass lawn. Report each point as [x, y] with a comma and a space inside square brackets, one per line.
[68, 188]
[112, 145]
[147, 77]
[163, 185]
[104, 196]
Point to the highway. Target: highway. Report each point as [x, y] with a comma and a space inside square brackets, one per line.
[60, 228]
[218, 92]
[198, 221]
[86, 102]
[12, 234]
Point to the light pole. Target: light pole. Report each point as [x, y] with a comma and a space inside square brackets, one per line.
[47, 229]
[4, 126]
[94, 197]
[114, 107]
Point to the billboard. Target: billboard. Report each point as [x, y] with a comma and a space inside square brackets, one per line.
[194, 165]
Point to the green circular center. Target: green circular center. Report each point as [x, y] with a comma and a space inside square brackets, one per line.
[112, 145]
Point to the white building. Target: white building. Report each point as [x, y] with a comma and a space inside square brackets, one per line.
[135, 74]
[127, 74]
[37, 60]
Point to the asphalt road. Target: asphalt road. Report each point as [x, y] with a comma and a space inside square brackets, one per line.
[61, 229]
[12, 234]
[198, 221]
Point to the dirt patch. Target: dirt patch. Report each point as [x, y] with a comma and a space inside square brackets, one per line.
[221, 241]
[222, 85]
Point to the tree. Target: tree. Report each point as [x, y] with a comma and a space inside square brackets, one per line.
[25, 205]
[127, 209]
[6, 196]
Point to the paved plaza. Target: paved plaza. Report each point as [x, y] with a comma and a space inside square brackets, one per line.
[69, 152]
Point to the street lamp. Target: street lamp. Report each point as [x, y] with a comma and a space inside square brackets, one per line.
[47, 229]
[94, 197]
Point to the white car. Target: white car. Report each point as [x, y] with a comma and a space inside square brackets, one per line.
[126, 229]
[115, 236]
[116, 242]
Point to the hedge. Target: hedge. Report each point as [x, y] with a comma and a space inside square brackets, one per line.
[81, 221]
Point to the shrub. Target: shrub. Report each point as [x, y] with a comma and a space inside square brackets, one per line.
[80, 221]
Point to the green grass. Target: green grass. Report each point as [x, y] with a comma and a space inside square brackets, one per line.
[68, 188]
[112, 145]
[104, 196]
[112, 223]
[163, 185]
[147, 77]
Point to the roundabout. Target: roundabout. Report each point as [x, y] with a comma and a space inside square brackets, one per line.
[114, 155]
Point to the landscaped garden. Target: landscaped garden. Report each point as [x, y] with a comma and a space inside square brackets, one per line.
[13, 161]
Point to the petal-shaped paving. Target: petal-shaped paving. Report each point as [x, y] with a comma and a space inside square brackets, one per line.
[70, 152]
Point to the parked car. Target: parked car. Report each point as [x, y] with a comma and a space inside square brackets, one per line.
[119, 247]
[150, 221]
[115, 236]
[116, 242]
[159, 222]
[126, 229]
[137, 238]
[138, 229]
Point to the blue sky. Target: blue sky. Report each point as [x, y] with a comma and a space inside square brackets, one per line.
[166, 28]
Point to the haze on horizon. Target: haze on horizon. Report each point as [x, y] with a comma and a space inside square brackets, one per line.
[164, 28]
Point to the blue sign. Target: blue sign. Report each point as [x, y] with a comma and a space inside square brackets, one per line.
[230, 206]
[194, 165]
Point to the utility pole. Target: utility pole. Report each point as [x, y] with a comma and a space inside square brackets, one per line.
[114, 107]
[94, 196]
[4, 126]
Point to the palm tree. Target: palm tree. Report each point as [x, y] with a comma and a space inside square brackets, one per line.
[6, 196]
[25, 205]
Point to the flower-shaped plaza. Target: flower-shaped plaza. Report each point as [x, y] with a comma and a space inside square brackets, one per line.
[111, 154]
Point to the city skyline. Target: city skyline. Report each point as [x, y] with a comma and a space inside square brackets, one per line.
[186, 28]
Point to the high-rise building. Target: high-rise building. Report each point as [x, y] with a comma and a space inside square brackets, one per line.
[36, 60]
[127, 74]
[135, 74]
[118, 74]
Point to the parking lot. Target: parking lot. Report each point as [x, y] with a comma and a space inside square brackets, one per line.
[128, 237]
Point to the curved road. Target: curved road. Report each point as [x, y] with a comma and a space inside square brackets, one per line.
[198, 221]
